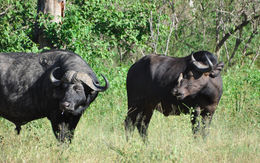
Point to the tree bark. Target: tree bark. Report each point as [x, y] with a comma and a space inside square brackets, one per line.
[55, 8]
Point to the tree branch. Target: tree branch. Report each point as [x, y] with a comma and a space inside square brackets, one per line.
[171, 27]
[238, 41]
[255, 32]
[227, 35]
[254, 59]
[170, 34]
[154, 44]
[5, 11]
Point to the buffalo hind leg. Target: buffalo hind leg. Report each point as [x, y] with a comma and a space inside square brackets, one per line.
[130, 121]
[138, 117]
[143, 120]
[143, 123]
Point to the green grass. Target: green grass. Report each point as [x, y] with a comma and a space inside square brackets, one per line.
[99, 137]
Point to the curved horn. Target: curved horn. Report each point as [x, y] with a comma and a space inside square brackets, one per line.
[53, 79]
[102, 88]
[180, 79]
[85, 78]
[209, 63]
[202, 67]
[69, 76]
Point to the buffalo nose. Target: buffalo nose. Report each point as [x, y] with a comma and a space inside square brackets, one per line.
[175, 91]
[178, 94]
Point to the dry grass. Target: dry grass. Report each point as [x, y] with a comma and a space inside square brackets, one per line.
[102, 140]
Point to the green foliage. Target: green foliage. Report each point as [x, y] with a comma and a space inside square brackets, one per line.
[116, 30]
[16, 26]
[98, 30]
[242, 94]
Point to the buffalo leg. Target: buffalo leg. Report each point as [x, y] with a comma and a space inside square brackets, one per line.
[195, 122]
[206, 121]
[130, 121]
[166, 108]
[63, 126]
[143, 120]
[138, 117]
[143, 123]
[18, 129]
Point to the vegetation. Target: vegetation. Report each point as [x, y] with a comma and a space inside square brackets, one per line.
[110, 36]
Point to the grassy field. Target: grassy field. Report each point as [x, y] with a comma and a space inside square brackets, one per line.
[99, 137]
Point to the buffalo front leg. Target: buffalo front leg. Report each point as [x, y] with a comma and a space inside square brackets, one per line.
[18, 128]
[63, 126]
[195, 122]
[206, 121]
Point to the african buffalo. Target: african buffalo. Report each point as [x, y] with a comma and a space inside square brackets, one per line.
[56, 84]
[173, 86]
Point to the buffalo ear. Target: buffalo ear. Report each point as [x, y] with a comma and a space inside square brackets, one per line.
[216, 71]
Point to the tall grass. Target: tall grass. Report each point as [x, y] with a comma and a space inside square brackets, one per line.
[99, 137]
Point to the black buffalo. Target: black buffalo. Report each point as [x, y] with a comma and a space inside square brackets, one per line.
[55, 84]
[173, 86]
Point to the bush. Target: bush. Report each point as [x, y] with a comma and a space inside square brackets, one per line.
[16, 26]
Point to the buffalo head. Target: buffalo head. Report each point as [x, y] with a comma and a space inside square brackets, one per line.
[196, 78]
[75, 90]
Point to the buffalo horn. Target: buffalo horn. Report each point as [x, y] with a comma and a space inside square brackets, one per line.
[202, 67]
[53, 79]
[69, 76]
[180, 78]
[85, 78]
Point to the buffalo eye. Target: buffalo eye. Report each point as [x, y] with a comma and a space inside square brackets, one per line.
[77, 88]
[65, 85]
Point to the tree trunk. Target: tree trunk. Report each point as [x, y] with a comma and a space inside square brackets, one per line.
[55, 8]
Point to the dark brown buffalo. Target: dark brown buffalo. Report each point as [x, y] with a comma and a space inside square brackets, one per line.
[173, 86]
